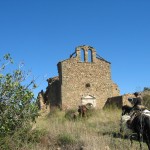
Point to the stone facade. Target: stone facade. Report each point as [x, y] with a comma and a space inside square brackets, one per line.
[119, 101]
[84, 74]
[43, 102]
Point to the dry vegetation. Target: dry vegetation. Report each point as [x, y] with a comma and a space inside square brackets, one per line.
[59, 131]
[99, 131]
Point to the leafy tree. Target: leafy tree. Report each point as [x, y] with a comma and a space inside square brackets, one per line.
[18, 107]
[146, 89]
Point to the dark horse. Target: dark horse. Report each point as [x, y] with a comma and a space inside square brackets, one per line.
[139, 123]
[82, 110]
[126, 109]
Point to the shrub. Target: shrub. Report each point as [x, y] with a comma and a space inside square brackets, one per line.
[70, 114]
[146, 101]
[20, 138]
[18, 106]
[66, 139]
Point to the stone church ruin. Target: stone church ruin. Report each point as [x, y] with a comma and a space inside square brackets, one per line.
[84, 78]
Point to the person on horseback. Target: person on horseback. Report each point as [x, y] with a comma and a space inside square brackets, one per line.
[137, 107]
[138, 102]
[139, 99]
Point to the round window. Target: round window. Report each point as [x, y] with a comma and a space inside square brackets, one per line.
[87, 85]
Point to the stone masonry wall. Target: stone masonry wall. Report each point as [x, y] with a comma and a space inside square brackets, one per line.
[54, 94]
[85, 78]
[78, 78]
[119, 101]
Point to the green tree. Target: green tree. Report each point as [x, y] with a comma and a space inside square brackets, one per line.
[18, 106]
[146, 89]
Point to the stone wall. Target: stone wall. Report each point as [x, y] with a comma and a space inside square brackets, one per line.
[43, 102]
[79, 78]
[119, 101]
[54, 94]
[115, 90]
[85, 78]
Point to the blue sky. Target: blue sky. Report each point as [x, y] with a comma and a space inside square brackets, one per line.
[43, 32]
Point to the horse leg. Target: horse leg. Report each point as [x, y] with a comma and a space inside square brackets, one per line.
[131, 140]
[84, 113]
[148, 141]
[148, 144]
[140, 140]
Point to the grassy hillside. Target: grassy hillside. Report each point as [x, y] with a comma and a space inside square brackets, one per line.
[98, 131]
[59, 131]
[146, 98]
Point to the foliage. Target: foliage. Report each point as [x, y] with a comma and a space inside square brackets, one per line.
[17, 108]
[70, 114]
[146, 89]
[66, 138]
[100, 131]
[146, 100]
[20, 138]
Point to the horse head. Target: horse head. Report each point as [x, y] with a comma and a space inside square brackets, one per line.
[126, 109]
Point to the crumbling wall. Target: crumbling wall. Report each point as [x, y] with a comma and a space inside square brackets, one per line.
[54, 94]
[81, 78]
[119, 101]
[116, 101]
[115, 90]
[42, 102]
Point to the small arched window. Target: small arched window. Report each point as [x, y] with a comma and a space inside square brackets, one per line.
[82, 55]
[89, 56]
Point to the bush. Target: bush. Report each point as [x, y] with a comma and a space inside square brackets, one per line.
[66, 139]
[70, 114]
[146, 101]
[20, 138]
[18, 106]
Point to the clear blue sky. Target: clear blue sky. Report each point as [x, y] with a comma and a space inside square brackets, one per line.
[43, 32]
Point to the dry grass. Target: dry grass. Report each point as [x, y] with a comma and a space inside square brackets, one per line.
[99, 131]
